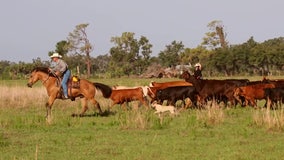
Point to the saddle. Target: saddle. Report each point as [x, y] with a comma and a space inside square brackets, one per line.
[73, 83]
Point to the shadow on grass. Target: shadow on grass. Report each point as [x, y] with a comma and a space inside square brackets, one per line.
[105, 113]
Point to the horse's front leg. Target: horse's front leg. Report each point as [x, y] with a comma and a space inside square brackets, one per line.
[48, 106]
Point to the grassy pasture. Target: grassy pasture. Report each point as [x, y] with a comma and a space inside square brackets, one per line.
[213, 133]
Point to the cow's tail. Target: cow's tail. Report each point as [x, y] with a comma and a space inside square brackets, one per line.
[105, 89]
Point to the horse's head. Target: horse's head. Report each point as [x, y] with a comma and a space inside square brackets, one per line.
[35, 75]
[191, 79]
[185, 75]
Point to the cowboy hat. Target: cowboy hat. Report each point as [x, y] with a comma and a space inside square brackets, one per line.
[55, 55]
[197, 65]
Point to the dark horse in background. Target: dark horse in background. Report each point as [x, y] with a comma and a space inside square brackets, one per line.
[86, 90]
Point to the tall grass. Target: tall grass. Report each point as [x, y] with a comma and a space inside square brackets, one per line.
[272, 120]
[142, 119]
[21, 97]
[212, 114]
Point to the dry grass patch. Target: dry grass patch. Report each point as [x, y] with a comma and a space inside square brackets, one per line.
[134, 119]
[142, 119]
[270, 119]
[20, 96]
[213, 114]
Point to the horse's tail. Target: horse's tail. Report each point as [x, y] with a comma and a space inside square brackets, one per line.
[105, 89]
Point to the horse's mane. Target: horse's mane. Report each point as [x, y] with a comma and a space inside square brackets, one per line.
[44, 70]
[41, 69]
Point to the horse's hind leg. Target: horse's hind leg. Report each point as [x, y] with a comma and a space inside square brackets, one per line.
[95, 103]
[84, 104]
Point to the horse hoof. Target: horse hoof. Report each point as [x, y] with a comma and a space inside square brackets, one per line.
[74, 115]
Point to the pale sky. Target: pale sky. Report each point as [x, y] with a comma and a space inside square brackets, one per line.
[31, 28]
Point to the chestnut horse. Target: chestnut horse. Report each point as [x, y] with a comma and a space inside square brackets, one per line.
[86, 91]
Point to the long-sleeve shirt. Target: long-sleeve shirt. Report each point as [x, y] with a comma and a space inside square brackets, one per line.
[60, 66]
[197, 74]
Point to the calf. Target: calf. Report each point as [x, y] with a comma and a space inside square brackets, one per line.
[121, 96]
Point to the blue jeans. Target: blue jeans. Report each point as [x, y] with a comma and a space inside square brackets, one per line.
[65, 78]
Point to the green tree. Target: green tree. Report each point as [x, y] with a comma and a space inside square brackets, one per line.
[194, 55]
[216, 37]
[3, 65]
[76, 63]
[171, 55]
[145, 51]
[78, 43]
[129, 55]
[101, 63]
[61, 48]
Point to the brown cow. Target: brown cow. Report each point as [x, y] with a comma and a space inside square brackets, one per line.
[279, 83]
[274, 95]
[251, 93]
[133, 87]
[220, 90]
[122, 96]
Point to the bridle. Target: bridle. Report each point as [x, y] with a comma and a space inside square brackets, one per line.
[50, 72]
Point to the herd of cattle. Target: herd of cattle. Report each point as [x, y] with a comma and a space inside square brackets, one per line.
[229, 91]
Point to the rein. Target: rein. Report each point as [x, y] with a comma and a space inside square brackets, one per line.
[46, 79]
[57, 78]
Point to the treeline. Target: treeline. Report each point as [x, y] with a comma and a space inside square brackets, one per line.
[133, 57]
[249, 58]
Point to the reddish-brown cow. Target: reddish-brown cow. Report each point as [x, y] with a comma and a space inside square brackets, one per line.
[251, 93]
[121, 96]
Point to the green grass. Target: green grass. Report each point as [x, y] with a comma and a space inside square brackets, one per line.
[132, 134]
[25, 135]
